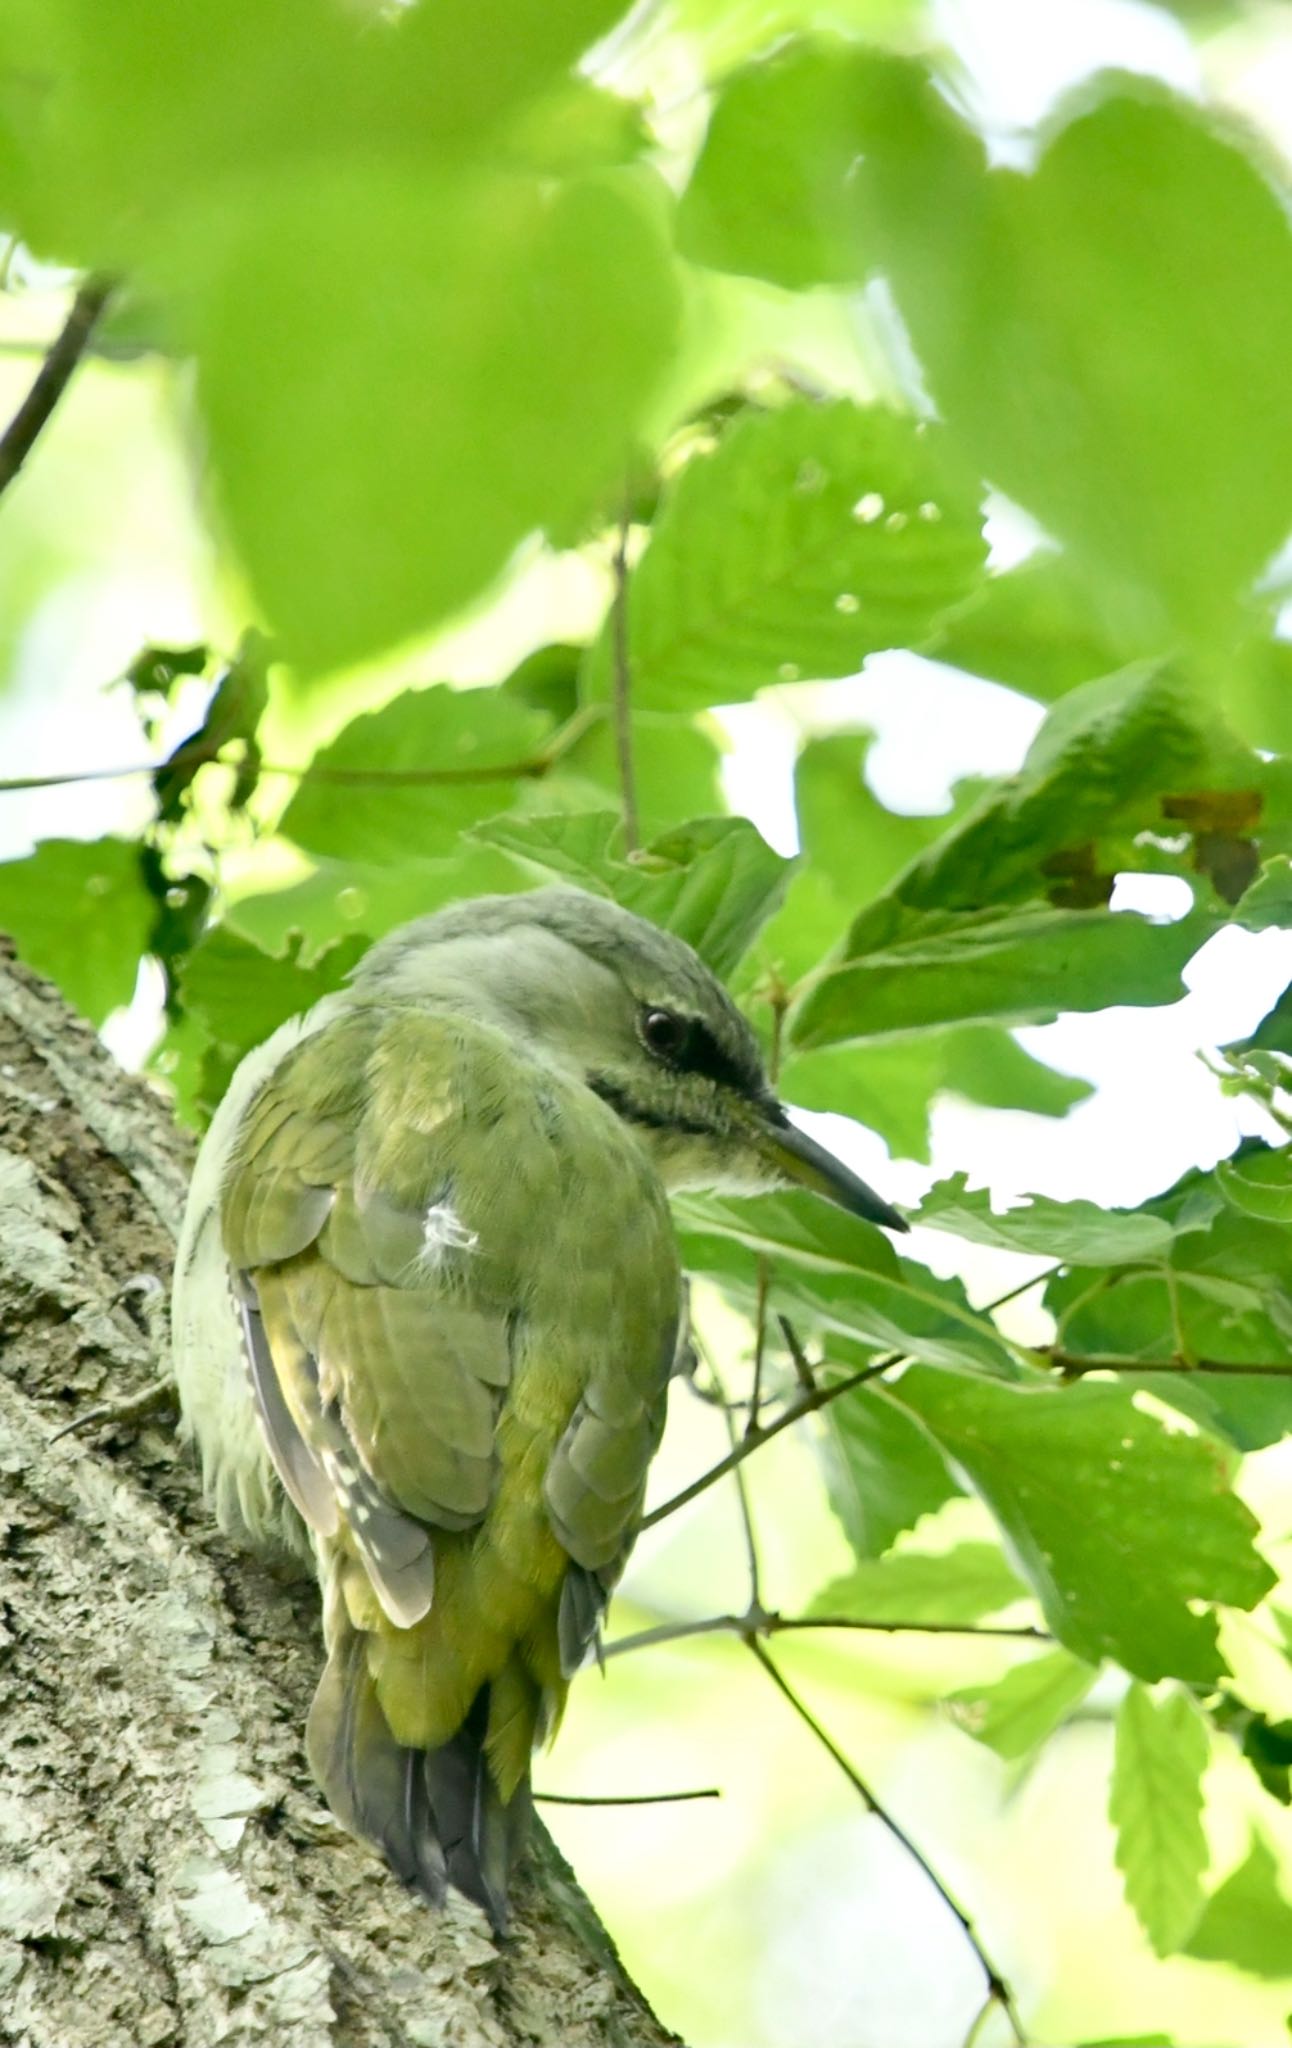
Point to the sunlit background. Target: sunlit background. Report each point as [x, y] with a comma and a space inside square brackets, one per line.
[777, 1915]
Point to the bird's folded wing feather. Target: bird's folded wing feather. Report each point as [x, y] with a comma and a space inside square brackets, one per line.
[382, 1317]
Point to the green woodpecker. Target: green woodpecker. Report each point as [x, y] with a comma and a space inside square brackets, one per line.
[427, 1306]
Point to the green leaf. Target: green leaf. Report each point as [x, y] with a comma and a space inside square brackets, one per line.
[1032, 628]
[676, 772]
[1258, 1182]
[839, 1272]
[484, 382]
[768, 195]
[1156, 1807]
[1078, 1233]
[910, 970]
[1268, 902]
[1247, 1921]
[891, 1085]
[882, 1472]
[342, 898]
[960, 1585]
[79, 912]
[1091, 1495]
[713, 882]
[415, 774]
[809, 538]
[1103, 333]
[1025, 1707]
[241, 995]
[1100, 767]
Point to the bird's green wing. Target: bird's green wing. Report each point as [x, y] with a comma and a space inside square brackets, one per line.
[412, 1218]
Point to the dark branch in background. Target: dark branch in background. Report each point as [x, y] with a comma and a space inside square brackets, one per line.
[52, 378]
[623, 688]
[998, 1990]
[532, 768]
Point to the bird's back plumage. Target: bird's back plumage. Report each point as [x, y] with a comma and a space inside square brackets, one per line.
[460, 1293]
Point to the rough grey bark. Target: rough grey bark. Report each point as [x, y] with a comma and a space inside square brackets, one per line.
[169, 1877]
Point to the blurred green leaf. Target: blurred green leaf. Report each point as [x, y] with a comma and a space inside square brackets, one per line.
[342, 898]
[713, 882]
[1103, 333]
[1023, 1709]
[413, 776]
[882, 1472]
[810, 537]
[1078, 1233]
[480, 382]
[1091, 1495]
[960, 1585]
[768, 195]
[1031, 628]
[891, 1084]
[1156, 1807]
[1268, 902]
[78, 911]
[1247, 1921]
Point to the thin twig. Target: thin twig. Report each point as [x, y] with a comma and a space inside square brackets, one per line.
[998, 1989]
[758, 1622]
[746, 1509]
[1070, 1366]
[52, 378]
[532, 768]
[778, 1002]
[623, 688]
[820, 1397]
[794, 1345]
[625, 1798]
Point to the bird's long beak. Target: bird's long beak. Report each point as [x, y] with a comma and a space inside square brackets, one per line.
[800, 1159]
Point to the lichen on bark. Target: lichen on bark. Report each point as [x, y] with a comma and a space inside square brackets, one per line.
[169, 1876]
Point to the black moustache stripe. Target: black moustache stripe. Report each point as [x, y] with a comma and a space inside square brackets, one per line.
[632, 1112]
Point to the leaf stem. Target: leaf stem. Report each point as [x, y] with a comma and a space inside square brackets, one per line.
[52, 378]
[998, 1989]
[623, 686]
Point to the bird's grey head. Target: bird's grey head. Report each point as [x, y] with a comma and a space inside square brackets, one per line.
[632, 1012]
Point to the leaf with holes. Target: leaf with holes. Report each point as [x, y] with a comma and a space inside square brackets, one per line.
[1091, 1494]
[810, 537]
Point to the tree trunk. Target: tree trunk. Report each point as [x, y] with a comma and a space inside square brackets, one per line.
[168, 1873]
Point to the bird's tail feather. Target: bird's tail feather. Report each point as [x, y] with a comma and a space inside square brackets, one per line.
[438, 1815]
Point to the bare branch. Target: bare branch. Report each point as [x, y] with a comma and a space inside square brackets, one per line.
[52, 378]
[820, 1397]
[758, 1622]
[998, 1989]
[623, 688]
[625, 1798]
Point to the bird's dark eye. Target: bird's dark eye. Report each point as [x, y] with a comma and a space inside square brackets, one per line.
[664, 1033]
